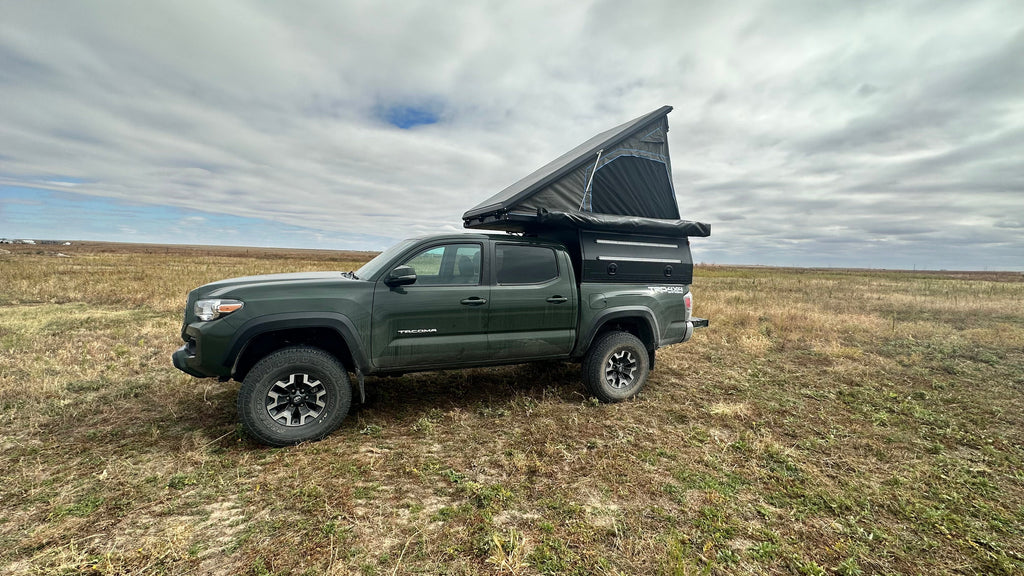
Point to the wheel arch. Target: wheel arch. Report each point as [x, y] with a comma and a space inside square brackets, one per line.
[636, 320]
[333, 333]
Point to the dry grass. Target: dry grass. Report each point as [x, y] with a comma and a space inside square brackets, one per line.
[841, 422]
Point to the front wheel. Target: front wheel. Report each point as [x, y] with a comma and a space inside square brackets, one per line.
[294, 395]
[616, 367]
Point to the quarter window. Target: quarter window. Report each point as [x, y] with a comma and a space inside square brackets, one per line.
[525, 264]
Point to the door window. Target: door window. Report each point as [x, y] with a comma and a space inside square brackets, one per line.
[525, 264]
[451, 264]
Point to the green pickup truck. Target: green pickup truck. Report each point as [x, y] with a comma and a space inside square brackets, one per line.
[600, 287]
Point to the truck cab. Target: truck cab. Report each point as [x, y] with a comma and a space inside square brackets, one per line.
[474, 299]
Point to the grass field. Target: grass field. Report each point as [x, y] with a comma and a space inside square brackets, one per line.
[828, 422]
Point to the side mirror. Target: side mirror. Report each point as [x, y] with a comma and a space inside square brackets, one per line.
[401, 276]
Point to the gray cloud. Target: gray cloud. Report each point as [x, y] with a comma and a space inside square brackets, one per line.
[815, 133]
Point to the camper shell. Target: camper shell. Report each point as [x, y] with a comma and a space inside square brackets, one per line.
[610, 201]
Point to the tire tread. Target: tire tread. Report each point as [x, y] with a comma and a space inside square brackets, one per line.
[593, 365]
[301, 355]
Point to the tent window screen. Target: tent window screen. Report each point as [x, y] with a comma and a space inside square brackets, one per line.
[525, 264]
[634, 186]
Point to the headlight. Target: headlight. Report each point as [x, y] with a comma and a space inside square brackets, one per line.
[212, 309]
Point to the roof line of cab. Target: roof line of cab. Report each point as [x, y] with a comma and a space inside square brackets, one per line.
[498, 236]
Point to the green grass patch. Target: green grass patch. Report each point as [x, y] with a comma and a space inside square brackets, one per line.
[828, 422]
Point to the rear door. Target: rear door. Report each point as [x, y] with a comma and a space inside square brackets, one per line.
[439, 320]
[533, 303]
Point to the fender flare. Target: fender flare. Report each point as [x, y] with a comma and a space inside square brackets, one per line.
[292, 320]
[611, 314]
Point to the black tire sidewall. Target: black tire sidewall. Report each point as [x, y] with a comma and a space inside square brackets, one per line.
[600, 352]
[278, 366]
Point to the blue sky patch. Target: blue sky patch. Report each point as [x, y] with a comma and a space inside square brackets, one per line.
[406, 117]
[40, 214]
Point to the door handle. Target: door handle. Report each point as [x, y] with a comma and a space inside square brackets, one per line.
[474, 301]
[558, 299]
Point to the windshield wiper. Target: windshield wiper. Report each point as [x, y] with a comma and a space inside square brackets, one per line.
[350, 274]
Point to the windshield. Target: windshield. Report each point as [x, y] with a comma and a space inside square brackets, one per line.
[371, 268]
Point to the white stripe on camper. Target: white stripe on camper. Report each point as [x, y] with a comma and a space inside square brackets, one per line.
[624, 259]
[626, 243]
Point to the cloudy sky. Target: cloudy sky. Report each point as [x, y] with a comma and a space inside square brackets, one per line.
[880, 134]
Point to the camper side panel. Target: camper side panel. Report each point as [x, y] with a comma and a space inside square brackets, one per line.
[628, 258]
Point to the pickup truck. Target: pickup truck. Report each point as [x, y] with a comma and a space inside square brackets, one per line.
[594, 267]
[438, 302]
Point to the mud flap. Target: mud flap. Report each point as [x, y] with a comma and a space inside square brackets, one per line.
[362, 386]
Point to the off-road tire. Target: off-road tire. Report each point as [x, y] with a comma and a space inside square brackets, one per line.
[288, 374]
[616, 367]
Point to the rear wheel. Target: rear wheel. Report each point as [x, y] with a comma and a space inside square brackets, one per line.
[616, 367]
[294, 395]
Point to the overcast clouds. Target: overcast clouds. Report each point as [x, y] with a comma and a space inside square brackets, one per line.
[846, 134]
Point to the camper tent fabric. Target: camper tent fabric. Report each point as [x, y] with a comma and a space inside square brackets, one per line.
[624, 224]
[622, 173]
[633, 176]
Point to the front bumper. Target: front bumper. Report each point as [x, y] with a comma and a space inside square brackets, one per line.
[185, 361]
[203, 354]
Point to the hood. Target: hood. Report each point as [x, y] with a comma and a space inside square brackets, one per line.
[222, 287]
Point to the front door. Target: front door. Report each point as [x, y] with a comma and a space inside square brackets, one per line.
[439, 320]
